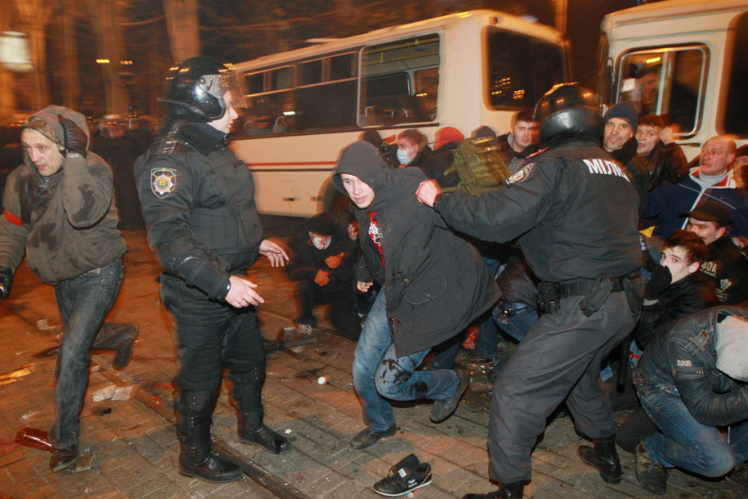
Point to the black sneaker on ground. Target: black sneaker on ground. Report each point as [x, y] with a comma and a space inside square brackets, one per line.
[406, 476]
[651, 475]
[367, 437]
[442, 409]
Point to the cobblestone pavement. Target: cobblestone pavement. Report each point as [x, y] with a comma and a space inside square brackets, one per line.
[135, 444]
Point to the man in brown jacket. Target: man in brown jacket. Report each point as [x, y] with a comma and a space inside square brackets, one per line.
[60, 213]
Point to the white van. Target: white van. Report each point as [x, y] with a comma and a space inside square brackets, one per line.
[686, 59]
[462, 70]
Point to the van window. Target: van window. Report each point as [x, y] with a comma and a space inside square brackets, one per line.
[520, 69]
[736, 110]
[400, 81]
[668, 81]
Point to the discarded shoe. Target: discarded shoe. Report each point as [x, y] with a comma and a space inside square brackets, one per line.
[266, 438]
[63, 458]
[406, 476]
[651, 475]
[368, 437]
[442, 409]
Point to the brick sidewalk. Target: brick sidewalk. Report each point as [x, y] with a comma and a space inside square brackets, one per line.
[135, 444]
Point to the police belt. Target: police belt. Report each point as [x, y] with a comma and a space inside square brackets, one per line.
[580, 287]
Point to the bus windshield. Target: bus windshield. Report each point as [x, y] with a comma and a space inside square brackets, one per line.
[521, 69]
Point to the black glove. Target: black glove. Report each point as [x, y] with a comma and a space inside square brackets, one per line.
[661, 278]
[6, 279]
[75, 138]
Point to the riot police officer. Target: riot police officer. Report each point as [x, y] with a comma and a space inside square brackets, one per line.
[574, 213]
[198, 204]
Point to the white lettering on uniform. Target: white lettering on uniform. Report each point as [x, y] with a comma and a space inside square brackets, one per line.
[603, 167]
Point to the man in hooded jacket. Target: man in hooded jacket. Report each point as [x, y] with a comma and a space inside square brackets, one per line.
[60, 213]
[434, 285]
[574, 213]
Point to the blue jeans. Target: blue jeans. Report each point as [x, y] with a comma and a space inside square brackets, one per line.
[83, 302]
[378, 374]
[685, 443]
[515, 319]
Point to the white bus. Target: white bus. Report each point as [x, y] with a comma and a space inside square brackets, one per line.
[686, 59]
[462, 70]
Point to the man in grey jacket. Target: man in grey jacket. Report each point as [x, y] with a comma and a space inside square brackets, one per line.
[60, 213]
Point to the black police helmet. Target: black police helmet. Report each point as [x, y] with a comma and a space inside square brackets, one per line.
[194, 89]
[566, 112]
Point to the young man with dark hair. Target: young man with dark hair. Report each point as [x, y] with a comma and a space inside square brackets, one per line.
[725, 264]
[434, 285]
[520, 141]
[656, 146]
[677, 289]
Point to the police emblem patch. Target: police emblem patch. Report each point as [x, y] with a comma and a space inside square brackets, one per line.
[163, 181]
[521, 175]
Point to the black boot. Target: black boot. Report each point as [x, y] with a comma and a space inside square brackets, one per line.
[119, 337]
[506, 491]
[248, 396]
[604, 457]
[194, 415]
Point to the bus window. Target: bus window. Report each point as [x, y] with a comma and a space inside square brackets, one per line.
[390, 77]
[342, 67]
[521, 69]
[666, 81]
[310, 72]
[280, 79]
[736, 110]
[255, 83]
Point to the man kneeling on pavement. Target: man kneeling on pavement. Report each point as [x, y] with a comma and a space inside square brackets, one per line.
[692, 382]
[323, 264]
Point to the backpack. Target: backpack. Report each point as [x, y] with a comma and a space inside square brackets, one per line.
[479, 165]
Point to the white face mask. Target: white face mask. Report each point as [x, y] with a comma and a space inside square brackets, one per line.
[319, 241]
[731, 344]
[403, 158]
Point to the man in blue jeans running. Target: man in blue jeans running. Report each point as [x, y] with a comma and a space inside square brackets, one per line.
[60, 213]
[433, 285]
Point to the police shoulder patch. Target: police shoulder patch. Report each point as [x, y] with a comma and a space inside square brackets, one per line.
[163, 181]
[521, 175]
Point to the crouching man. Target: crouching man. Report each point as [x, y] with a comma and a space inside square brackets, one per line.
[434, 285]
[692, 382]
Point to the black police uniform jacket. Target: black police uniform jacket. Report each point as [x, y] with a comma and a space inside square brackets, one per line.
[198, 205]
[572, 208]
[435, 282]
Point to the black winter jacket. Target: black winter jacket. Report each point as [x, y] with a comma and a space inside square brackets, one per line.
[198, 205]
[727, 267]
[572, 208]
[666, 163]
[435, 282]
[307, 260]
[689, 295]
[683, 363]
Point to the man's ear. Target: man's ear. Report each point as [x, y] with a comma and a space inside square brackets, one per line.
[693, 267]
[721, 232]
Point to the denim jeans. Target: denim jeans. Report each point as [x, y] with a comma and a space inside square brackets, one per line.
[517, 320]
[685, 443]
[378, 374]
[83, 302]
